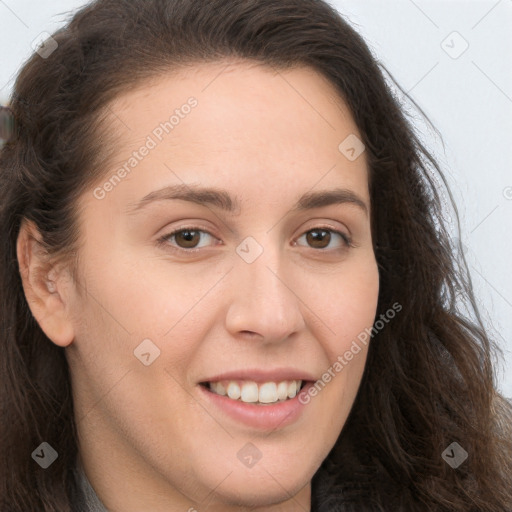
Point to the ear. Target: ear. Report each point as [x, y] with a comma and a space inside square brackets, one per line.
[44, 286]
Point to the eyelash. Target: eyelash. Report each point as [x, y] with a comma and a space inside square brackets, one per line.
[164, 240]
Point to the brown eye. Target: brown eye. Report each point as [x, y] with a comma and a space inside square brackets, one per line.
[187, 238]
[318, 238]
[321, 238]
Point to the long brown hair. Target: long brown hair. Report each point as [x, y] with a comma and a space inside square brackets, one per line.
[429, 378]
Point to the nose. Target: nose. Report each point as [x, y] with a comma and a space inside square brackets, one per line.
[264, 299]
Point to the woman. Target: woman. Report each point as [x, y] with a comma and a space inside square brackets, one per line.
[226, 280]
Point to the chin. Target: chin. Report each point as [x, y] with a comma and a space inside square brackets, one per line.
[260, 488]
[250, 497]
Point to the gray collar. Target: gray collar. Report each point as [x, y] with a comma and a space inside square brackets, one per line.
[88, 500]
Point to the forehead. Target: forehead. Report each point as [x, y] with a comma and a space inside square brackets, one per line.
[236, 93]
[249, 122]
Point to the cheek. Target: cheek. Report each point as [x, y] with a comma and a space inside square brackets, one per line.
[155, 295]
[347, 307]
[350, 306]
[126, 303]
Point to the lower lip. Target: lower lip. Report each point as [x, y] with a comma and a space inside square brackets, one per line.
[264, 417]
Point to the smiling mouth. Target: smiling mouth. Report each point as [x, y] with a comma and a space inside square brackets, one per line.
[265, 393]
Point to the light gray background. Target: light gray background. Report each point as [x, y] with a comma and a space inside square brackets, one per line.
[468, 97]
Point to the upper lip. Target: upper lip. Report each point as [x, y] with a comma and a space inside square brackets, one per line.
[259, 375]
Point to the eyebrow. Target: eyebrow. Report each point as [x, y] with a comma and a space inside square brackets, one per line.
[220, 198]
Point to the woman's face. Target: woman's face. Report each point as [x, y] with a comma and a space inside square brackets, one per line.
[258, 287]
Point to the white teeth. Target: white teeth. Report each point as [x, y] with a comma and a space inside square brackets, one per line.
[233, 391]
[251, 392]
[282, 390]
[219, 388]
[292, 389]
[268, 393]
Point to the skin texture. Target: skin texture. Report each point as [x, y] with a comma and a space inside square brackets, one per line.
[149, 440]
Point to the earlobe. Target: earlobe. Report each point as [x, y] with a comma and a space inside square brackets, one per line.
[44, 286]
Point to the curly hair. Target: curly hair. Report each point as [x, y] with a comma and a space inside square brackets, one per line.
[429, 379]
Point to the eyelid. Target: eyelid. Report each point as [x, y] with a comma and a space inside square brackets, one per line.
[347, 238]
[164, 240]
